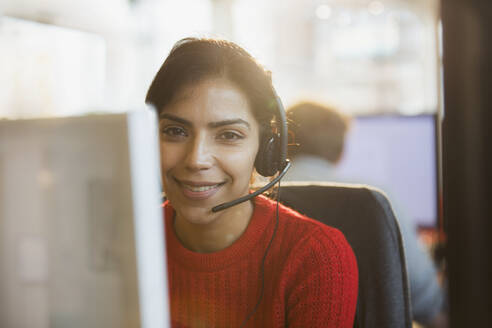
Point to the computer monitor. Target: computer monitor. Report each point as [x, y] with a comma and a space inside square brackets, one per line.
[398, 155]
[81, 225]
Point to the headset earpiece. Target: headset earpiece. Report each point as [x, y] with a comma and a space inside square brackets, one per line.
[267, 159]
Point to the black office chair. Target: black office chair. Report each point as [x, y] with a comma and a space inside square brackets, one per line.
[365, 217]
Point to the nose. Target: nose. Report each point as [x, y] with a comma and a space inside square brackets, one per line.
[199, 154]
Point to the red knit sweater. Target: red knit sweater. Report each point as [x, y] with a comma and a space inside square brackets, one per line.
[310, 275]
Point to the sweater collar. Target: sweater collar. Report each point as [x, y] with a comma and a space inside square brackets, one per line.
[262, 214]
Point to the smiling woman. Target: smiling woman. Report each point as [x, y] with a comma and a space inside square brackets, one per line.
[256, 263]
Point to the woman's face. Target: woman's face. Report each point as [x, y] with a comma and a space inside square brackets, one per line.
[209, 140]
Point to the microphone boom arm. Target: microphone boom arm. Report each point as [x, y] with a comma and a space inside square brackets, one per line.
[253, 194]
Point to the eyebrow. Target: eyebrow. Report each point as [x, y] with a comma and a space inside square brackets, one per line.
[175, 118]
[229, 122]
[211, 125]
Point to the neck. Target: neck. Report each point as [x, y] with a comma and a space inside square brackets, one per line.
[220, 233]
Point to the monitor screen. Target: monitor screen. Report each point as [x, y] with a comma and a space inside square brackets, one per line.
[398, 155]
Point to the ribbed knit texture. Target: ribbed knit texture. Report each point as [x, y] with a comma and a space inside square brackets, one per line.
[310, 275]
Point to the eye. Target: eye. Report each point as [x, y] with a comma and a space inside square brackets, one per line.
[230, 136]
[174, 132]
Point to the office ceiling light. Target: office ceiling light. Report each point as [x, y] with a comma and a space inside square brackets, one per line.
[375, 8]
[323, 11]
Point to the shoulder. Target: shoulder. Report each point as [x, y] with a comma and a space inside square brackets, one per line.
[317, 275]
[316, 269]
[304, 233]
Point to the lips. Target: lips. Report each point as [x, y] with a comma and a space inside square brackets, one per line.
[199, 190]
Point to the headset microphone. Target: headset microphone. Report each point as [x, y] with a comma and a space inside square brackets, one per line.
[253, 194]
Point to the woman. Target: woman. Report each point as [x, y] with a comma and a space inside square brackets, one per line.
[216, 105]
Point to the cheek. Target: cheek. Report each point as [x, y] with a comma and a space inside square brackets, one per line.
[240, 164]
[170, 156]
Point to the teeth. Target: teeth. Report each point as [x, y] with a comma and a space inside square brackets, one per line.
[199, 189]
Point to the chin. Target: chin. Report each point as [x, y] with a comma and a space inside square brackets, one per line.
[197, 215]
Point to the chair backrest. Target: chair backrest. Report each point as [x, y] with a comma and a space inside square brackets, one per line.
[365, 217]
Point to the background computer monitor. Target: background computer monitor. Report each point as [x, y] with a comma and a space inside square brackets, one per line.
[397, 154]
[81, 231]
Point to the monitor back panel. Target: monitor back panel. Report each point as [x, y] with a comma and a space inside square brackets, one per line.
[67, 239]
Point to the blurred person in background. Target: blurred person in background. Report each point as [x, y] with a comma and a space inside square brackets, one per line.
[319, 132]
[257, 263]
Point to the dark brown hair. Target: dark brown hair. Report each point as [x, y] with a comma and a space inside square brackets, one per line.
[319, 130]
[193, 60]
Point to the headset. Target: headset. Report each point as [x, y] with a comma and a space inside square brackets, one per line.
[271, 158]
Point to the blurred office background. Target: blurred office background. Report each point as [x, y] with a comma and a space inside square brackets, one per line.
[365, 57]
[61, 57]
